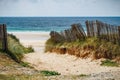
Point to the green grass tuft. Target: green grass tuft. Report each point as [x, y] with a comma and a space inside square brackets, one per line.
[109, 63]
[29, 49]
[83, 75]
[25, 64]
[49, 73]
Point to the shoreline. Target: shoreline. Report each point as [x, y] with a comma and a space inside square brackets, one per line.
[32, 38]
[28, 32]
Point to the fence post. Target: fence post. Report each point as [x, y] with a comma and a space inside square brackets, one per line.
[4, 37]
[119, 33]
[98, 28]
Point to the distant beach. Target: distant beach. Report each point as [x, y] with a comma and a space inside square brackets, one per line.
[31, 38]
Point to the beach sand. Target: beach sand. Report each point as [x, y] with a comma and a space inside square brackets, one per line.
[64, 64]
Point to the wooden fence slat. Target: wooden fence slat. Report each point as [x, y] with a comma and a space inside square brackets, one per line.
[88, 28]
[119, 34]
[3, 37]
[5, 45]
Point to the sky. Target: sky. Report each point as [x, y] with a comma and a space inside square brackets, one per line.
[59, 8]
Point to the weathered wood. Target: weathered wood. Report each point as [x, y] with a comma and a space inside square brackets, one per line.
[56, 36]
[103, 31]
[74, 33]
[107, 33]
[119, 31]
[3, 37]
[68, 38]
[71, 35]
[98, 28]
[78, 31]
[119, 34]
[88, 28]
[5, 45]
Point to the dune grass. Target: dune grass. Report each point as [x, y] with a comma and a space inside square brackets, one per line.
[38, 76]
[98, 48]
[50, 44]
[22, 77]
[16, 49]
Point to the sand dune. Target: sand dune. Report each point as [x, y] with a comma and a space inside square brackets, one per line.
[64, 64]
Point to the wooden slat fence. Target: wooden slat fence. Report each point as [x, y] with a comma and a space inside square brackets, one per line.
[75, 32]
[94, 29]
[103, 31]
[3, 37]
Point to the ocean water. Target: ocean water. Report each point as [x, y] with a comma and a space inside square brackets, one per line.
[46, 24]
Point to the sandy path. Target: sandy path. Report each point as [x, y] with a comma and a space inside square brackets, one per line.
[64, 64]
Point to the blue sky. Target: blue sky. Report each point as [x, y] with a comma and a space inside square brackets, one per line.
[59, 7]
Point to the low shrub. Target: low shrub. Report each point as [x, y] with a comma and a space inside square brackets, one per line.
[83, 75]
[109, 63]
[49, 73]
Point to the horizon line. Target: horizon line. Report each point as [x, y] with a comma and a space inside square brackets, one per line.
[59, 16]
